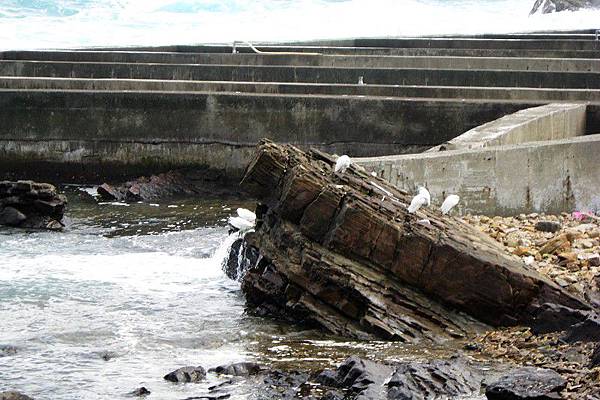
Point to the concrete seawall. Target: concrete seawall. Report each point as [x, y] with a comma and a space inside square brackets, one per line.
[537, 159]
[97, 114]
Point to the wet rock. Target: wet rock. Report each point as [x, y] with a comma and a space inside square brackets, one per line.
[527, 383]
[283, 385]
[550, 6]
[140, 392]
[11, 217]
[166, 185]
[186, 375]
[586, 331]
[110, 193]
[14, 396]
[555, 318]
[107, 355]
[7, 351]
[241, 258]
[28, 204]
[548, 226]
[239, 369]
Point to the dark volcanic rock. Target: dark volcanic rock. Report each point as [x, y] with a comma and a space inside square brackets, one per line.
[527, 383]
[186, 375]
[367, 380]
[548, 226]
[140, 392]
[239, 369]
[28, 204]
[595, 361]
[586, 331]
[14, 396]
[555, 318]
[550, 6]
[342, 252]
[11, 217]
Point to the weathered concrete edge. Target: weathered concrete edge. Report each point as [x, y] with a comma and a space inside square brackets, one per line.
[551, 176]
[549, 122]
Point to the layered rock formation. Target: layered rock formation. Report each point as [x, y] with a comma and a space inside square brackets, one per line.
[27, 204]
[342, 252]
[550, 6]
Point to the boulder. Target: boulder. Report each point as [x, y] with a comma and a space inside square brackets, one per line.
[550, 6]
[555, 318]
[28, 204]
[548, 226]
[10, 216]
[238, 369]
[368, 380]
[586, 331]
[140, 392]
[186, 375]
[527, 383]
[240, 258]
[341, 251]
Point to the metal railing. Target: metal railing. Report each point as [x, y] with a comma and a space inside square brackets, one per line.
[257, 51]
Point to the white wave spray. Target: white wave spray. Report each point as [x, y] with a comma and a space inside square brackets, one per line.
[26, 24]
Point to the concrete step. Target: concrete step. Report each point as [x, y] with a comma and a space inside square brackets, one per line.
[443, 92]
[384, 76]
[430, 62]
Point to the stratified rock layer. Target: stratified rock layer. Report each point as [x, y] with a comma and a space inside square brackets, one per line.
[28, 204]
[341, 251]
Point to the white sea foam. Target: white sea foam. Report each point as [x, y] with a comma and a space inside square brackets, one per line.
[75, 23]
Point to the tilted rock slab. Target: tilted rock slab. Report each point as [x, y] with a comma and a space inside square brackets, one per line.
[341, 251]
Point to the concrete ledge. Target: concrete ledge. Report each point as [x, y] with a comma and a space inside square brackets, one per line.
[297, 74]
[547, 177]
[298, 59]
[552, 121]
[432, 92]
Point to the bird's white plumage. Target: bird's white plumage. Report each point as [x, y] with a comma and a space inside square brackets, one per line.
[450, 202]
[245, 220]
[342, 163]
[425, 193]
[246, 214]
[423, 198]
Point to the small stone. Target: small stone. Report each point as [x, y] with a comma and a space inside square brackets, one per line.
[108, 192]
[569, 257]
[561, 282]
[186, 375]
[548, 226]
[587, 244]
[521, 251]
[238, 369]
[11, 217]
[594, 261]
[594, 234]
[140, 392]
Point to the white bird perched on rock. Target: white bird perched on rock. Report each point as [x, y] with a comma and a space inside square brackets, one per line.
[245, 220]
[342, 164]
[449, 203]
[423, 198]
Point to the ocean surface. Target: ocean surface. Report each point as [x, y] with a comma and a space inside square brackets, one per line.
[129, 293]
[35, 24]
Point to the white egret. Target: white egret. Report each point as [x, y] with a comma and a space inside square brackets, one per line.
[342, 164]
[450, 202]
[423, 198]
